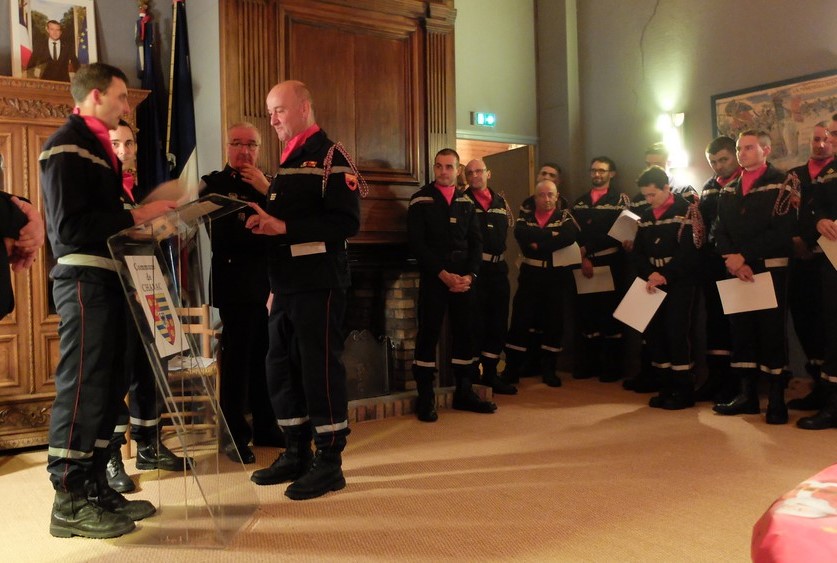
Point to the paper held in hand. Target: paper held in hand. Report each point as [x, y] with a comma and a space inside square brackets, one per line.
[625, 226]
[601, 281]
[567, 256]
[739, 296]
[174, 190]
[638, 306]
[829, 247]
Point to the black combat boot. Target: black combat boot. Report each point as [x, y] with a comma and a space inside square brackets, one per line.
[682, 395]
[293, 462]
[815, 400]
[717, 373]
[490, 378]
[117, 476]
[827, 416]
[101, 494]
[464, 398]
[514, 366]
[324, 476]
[426, 400]
[153, 454]
[777, 410]
[747, 400]
[548, 361]
[74, 515]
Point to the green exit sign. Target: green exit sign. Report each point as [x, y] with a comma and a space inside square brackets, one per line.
[483, 119]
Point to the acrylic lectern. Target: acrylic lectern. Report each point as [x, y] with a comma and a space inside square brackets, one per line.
[163, 275]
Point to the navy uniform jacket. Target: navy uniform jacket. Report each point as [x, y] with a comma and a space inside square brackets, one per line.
[807, 216]
[84, 201]
[442, 236]
[759, 225]
[312, 255]
[494, 226]
[239, 257]
[825, 194]
[594, 221]
[12, 219]
[667, 245]
[527, 230]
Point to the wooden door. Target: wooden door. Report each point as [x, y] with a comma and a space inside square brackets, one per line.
[512, 174]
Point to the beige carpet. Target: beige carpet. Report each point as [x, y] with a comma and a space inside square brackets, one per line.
[583, 473]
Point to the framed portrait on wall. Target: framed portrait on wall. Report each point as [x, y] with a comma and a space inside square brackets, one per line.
[51, 38]
[787, 110]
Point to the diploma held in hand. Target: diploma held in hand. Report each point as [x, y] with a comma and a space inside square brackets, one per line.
[738, 296]
[638, 306]
[625, 226]
[601, 281]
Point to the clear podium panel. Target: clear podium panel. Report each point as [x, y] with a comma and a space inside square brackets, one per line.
[164, 269]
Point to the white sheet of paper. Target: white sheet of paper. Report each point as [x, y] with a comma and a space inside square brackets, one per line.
[638, 306]
[567, 256]
[741, 297]
[829, 247]
[154, 296]
[601, 281]
[625, 226]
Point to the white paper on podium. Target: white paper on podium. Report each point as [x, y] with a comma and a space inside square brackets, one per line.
[829, 247]
[638, 306]
[601, 281]
[738, 296]
[625, 226]
[157, 304]
[567, 256]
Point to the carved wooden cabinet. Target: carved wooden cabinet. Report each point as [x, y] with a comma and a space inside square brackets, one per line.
[30, 111]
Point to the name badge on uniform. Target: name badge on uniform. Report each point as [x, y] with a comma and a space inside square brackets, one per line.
[309, 164]
[453, 220]
[272, 196]
[306, 248]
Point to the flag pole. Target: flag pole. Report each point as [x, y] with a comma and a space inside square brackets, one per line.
[171, 74]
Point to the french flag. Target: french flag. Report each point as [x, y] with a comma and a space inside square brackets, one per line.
[23, 31]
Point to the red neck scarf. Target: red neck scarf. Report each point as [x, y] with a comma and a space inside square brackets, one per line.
[597, 193]
[749, 177]
[660, 211]
[543, 217]
[100, 130]
[446, 191]
[724, 181]
[817, 166]
[297, 142]
[483, 197]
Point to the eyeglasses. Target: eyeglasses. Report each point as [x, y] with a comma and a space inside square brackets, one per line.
[476, 171]
[238, 145]
[598, 171]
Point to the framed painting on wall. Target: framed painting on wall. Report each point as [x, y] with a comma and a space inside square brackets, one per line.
[51, 38]
[787, 110]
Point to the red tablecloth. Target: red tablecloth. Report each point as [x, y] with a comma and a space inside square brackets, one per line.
[802, 525]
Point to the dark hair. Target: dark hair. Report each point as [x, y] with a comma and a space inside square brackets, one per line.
[653, 176]
[58, 23]
[552, 165]
[447, 152]
[657, 148]
[719, 144]
[606, 160]
[95, 76]
[763, 136]
[123, 123]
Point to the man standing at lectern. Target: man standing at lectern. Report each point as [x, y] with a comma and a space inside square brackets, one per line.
[312, 208]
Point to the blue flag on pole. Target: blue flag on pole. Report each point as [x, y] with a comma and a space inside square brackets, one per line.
[152, 168]
[181, 136]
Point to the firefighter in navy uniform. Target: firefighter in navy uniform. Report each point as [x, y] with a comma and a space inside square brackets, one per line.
[600, 344]
[312, 208]
[444, 236]
[718, 386]
[825, 215]
[665, 255]
[239, 289]
[754, 232]
[491, 289]
[540, 292]
[84, 204]
[806, 268]
[143, 409]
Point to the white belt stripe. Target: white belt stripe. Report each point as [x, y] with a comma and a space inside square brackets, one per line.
[68, 454]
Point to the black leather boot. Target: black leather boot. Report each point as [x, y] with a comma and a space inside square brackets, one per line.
[101, 494]
[74, 515]
[514, 366]
[718, 372]
[815, 400]
[667, 387]
[117, 476]
[827, 416]
[683, 392]
[777, 410]
[325, 475]
[548, 361]
[747, 400]
[153, 454]
[293, 462]
[464, 398]
[426, 400]
[491, 379]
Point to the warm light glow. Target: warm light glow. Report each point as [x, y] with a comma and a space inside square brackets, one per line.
[670, 124]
